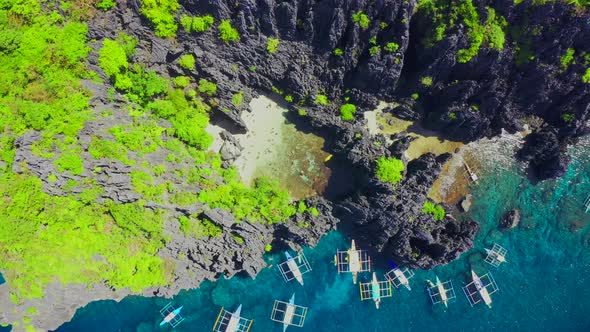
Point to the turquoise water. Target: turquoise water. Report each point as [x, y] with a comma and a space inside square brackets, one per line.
[545, 285]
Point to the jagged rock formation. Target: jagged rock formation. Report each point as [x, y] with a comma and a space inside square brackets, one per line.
[384, 217]
[500, 89]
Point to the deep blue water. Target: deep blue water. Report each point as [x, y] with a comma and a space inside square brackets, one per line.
[545, 286]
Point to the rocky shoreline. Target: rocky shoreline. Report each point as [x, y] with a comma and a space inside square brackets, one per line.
[381, 217]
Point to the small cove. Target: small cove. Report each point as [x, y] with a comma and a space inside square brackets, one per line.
[273, 147]
[379, 122]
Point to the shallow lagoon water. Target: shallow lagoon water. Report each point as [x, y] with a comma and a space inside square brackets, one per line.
[543, 287]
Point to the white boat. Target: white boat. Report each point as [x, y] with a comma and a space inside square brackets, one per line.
[442, 291]
[496, 255]
[234, 320]
[289, 312]
[354, 261]
[292, 264]
[402, 278]
[483, 292]
[376, 290]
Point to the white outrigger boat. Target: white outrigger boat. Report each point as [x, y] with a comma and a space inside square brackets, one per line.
[352, 260]
[289, 314]
[231, 321]
[399, 277]
[441, 292]
[294, 267]
[496, 255]
[480, 289]
[375, 290]
[171, 315]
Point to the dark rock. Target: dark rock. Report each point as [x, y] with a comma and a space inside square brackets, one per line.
[543, 151]
[231, 148]
[511, 219]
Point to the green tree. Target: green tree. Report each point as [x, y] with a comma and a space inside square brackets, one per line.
[272, 45]
[390, 169]
[161, 14]
[362, 19]
[437, 211]
[112, 58]
[347, 112]
[227, 32]
[187, 61]
[391, 47]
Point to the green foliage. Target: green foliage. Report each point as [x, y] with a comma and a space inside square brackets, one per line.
[390, 170]
[447, 14]
[265, 202]
[189, 119]
[426, 80]
[239, 239]
[586, 76]
[197, 23]
[494, 26]
[237, 98]
[289, 98]
[161, 14]
[181, 81]
[71, 161]
[105, 4]
[128, 43]
[203, 23]
[314, 212]
[415, 96]
[391, 47]
[567, 58]
[491, 32]
[338, 52]
[144, 184]
[362, 19]
[277, 90]
[347, 112]
[252, 68]
[112, 243]
[197, 228]
[184, 198]
[268, 248]
[41, 63]
[375, 50]
[568, 117]
[437, 211]
[301, 207]
[99, 149]
[302, 112]
[321, 100]
[144, 135]
[272, 45]
[207, 87]
[373, 40]
[187, 61]
[141, 86]
[227, 32]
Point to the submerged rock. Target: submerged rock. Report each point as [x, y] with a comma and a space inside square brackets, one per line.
[466, 203]
[511, 219]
